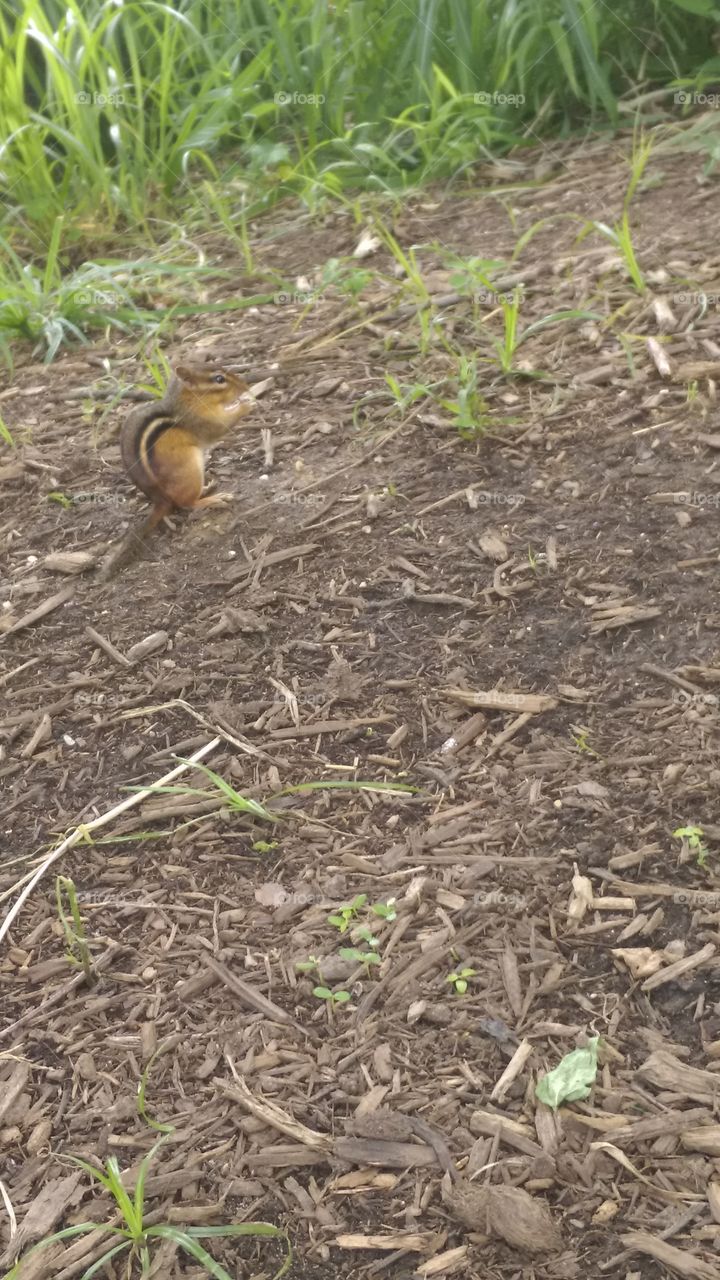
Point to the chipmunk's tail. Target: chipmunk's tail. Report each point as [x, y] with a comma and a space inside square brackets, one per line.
[129, 548]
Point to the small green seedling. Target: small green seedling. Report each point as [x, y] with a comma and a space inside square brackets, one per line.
[78, 952]
[694, 838]
[332, 997]
[460, 979]
[385, 910]
[344, 916]
[311, 965]
[345, 277]
[468, 406]
[5, 434]
[367, 958]
[580, 738]
[366, 935]
[407, 394]
[264, 846]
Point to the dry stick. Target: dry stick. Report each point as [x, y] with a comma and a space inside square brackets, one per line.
[108, 647]
[80, 832]
[47, 606]
[241, 744]
[64, 991]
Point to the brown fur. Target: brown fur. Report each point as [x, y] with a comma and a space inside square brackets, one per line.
[163, 445]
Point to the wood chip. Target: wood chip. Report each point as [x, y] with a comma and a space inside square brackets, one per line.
[611, 617]
[680, 967]
[500, 700]
[513, 1069]
[108, 648]
[677, 1260]
[666, 1071]
[47, 1208]
[412, 1241]
[493, 546]
[248, 994]
[659, 358]
[153, 643]
[444, 1263]
[70, 561]
[42, 734]
[327, 726]
[41, 611]
[706, 1139]
[387, 1154]
[273, 1115]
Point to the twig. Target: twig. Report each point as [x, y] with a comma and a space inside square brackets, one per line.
[107, 647]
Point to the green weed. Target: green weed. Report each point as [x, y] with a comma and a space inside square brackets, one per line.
[78, 952]
[460, 979]
[695, 842]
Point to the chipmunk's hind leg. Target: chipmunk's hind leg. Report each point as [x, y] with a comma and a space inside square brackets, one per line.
[178, 469]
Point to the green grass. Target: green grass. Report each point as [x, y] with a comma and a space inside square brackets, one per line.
[135, 1237]
[121, 121]
[113, 111]
[137, 1240]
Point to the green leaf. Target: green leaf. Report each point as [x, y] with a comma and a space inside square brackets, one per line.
[67, 1233]
[102, 1262]
[142, 1110]
[572, 1078]
[705, 8]
[184, 1241]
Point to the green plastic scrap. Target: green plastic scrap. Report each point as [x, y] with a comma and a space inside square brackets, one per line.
[572, 1078]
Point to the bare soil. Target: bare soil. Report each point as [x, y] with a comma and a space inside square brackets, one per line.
[322, 627]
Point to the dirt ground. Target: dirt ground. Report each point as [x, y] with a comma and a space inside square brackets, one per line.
[375, 567]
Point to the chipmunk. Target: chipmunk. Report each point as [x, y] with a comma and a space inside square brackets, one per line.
[163, 445]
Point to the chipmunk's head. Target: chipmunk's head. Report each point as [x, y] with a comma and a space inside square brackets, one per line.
[209, 398]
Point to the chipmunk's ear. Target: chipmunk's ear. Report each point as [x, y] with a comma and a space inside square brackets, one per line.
[183, 373]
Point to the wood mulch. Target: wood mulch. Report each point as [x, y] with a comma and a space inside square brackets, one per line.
[517, 636]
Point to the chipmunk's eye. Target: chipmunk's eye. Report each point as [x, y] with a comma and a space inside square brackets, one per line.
[219, 379]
